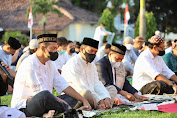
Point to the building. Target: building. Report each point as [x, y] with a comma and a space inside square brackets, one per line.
[74, 24]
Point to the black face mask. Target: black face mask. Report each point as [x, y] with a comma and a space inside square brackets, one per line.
[53, 56]
[72, 50]
[141, 47]
[161, 53]
[89, 57]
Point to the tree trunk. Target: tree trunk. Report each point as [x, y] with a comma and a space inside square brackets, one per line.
[142, 25]
[44, 27]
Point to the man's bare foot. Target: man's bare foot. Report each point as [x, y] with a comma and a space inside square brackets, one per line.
[101, 107]
[49, 114]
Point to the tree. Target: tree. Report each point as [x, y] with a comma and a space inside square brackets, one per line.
[98, 6]
[107, 18]
[165, 13]
[151, 25]
[142, 26]
[17, 34]
[43, 7]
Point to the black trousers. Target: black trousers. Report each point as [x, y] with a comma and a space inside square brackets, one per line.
[157, 88]
[44, 101]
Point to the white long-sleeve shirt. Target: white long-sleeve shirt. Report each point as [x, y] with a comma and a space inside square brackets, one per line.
[33, 77]
[62, 59]
[84, 76]
[99, 35]
[147, 67]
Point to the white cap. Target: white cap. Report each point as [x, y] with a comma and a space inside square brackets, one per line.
[109, 4]
[33, 44]
[157, 33]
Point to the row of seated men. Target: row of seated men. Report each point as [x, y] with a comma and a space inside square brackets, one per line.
[85, 84]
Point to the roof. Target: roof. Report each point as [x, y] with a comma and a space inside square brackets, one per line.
[13, 16]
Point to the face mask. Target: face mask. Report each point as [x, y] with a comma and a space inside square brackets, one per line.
[89, 57]
[53, 55]
[72, 50]
[161, 53]
[116, 64]
[63, 51]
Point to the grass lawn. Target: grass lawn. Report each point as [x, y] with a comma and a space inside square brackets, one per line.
[131, 114]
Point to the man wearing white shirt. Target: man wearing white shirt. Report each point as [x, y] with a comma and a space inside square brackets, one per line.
[36, 78]
[104, 50]
[82, 75]
[63, 58]
[151, 75]
[100, 32]
[62, 44]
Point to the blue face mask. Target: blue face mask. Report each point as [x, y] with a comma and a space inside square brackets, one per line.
[63, 51]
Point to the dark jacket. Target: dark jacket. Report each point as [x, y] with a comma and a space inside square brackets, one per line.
[105, 74]
[3, 87]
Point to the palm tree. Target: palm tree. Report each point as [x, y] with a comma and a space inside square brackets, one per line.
[43, 7]
[142, 25]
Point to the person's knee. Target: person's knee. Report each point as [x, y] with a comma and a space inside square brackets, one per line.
[45, 95]
[112, 88]
[86, 92]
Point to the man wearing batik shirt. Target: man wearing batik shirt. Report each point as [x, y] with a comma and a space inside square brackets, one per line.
[151, 75]
[36, 78]
[81, 73]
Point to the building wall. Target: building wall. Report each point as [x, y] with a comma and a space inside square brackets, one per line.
[77, 31]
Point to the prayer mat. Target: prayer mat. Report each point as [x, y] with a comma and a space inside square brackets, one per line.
[169, 108]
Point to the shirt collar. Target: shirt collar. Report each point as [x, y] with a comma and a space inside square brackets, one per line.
[37, 62]
[3, 50]
[173, 55]
[82, 60]
[150, 53]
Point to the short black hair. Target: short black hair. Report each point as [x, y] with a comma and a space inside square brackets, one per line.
[175, 40]
[69, 42]
[77, 45]
[61, 41]
[168, 43]
[108, 46]
[151, 45]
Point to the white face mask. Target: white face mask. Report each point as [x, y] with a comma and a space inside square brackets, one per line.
[115, 64]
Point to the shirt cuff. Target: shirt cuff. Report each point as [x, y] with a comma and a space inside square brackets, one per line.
[155, 75]
[170, 74]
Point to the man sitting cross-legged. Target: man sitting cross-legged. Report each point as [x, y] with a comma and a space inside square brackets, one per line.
[151, 75]
[36, 78]
[111, 71]
[82, 75]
